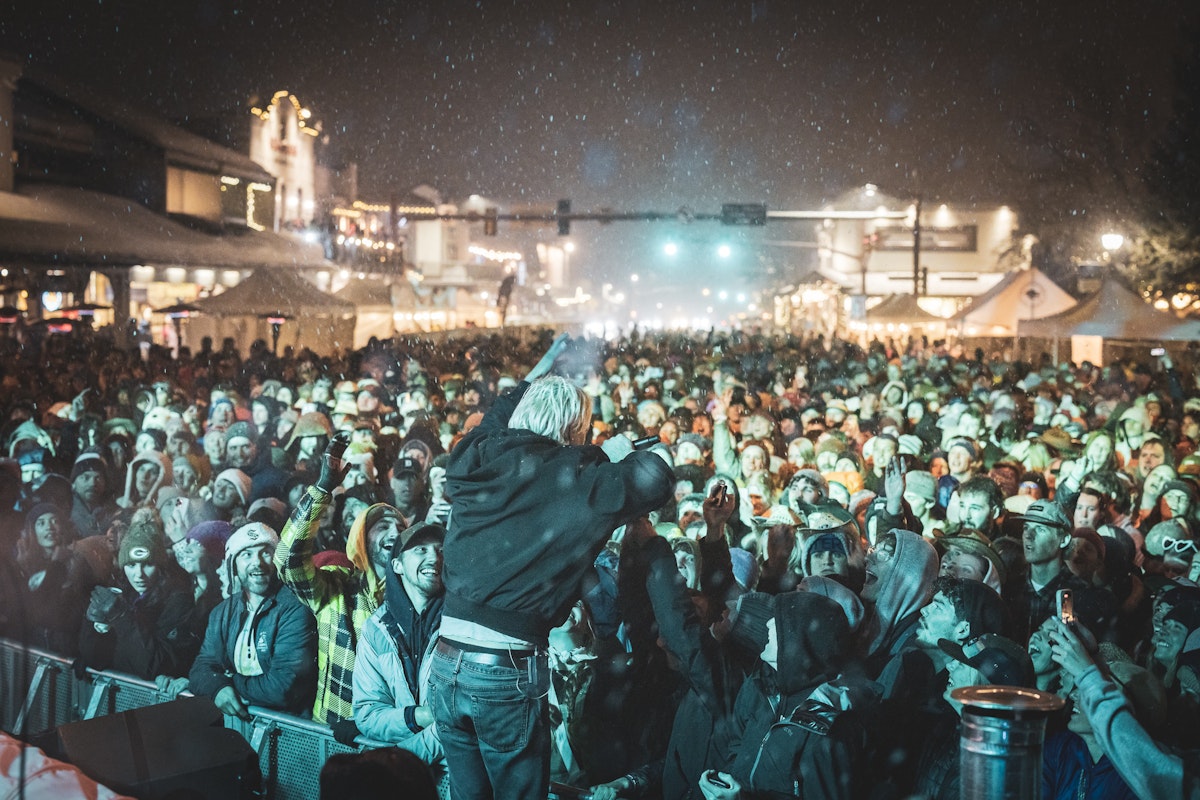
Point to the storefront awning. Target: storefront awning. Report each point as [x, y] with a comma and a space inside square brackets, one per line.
[56, 226]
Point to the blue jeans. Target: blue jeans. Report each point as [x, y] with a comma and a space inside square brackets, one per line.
[494, 725]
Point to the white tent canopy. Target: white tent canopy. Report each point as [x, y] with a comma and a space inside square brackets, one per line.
[380, 306]
[1115, 313]
[998, 311]
[314, 319]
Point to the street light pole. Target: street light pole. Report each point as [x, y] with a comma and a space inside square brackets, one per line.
[917, 238]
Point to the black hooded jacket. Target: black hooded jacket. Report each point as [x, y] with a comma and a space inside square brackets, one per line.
[788, 743]
[528, 518]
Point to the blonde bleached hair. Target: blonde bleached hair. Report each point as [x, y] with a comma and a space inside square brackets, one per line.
[555, 408]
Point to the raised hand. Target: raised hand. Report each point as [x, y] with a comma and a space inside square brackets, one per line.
[333, 467]
[544, 366]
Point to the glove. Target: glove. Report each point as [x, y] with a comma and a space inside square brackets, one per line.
[333, 468]
[105, 606]
[345, 732]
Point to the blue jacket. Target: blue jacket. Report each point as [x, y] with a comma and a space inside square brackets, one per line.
[381, 692]
[285, 638]
[1068, 772]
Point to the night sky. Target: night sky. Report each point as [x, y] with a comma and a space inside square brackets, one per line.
[648, 105]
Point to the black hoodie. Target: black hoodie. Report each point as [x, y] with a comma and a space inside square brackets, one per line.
[528, 518]
[786, 742]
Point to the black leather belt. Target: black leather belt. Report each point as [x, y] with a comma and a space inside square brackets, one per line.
[482, 655]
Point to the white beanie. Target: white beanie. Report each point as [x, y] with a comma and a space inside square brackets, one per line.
[249, 535]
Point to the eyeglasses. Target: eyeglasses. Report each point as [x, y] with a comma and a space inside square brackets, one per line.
[1179, 545]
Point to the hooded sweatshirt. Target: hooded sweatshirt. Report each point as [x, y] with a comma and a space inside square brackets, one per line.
[166, 477]
[789, 743]
[342, 599]
[1149, 769]
[903, 591]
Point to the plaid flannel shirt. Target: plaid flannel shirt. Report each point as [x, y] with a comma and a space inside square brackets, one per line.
[342, 601]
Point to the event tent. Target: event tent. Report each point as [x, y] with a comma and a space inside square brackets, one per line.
[1113, 312]
[903, 313]
[997, 311]
[383, 308]
[1107, 323]
[313, 319]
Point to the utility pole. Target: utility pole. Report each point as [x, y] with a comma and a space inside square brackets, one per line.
[917, 238]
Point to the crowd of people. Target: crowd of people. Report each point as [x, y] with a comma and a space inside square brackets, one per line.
[455, 549]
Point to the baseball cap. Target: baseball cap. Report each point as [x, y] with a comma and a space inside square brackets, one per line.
[1001, 661]
[1045, 512]
[826, 518]
[406, 465]
[418, 534]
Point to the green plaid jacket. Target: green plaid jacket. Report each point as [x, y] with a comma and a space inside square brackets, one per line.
[342, 600]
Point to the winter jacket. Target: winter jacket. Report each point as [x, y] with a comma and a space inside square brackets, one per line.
[529, 516]
[154, 636]
[1030, 608]
[382, 693]
[712, 676]
[1068, 772]
[91, 521]
[285, 640]
[341, 599]
[49, 614]
[785, 741]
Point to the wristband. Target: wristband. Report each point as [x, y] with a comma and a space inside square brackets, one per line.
[410, 719]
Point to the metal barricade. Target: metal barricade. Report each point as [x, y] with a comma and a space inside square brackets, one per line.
[39, 691]
[288, 748]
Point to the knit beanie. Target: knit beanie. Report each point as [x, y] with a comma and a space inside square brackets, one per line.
[212, 536]
[31, 455]
[90, 461]
[965, 444]
[241, 430]
[143, 542]
[240, 480]
[42, 509]
[748, 625]
[379, 511]
[1186, 614]
[314, 423]
[272, 504]
[244, 537]
[839, 594]
[1092, 536]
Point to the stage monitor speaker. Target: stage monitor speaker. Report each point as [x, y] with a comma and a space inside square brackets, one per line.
[171, 751]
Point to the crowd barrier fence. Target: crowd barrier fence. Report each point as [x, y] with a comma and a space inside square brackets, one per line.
[40, 691]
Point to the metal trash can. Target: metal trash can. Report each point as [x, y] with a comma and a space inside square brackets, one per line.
[1000, 745]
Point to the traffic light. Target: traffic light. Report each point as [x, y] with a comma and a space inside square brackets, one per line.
[489, 221]
[744, 214]
[564, 217]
